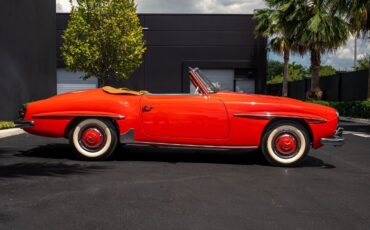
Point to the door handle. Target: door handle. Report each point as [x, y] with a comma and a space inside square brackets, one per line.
[147, 108]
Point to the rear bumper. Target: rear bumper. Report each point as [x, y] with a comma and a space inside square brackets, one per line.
[24, 124]
[336, 140]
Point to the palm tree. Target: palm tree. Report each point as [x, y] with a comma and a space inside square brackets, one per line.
[317, 28]
[271, 25]
[356, 12]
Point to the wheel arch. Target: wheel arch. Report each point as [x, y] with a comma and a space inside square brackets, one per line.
[78, 119]
[297, 120]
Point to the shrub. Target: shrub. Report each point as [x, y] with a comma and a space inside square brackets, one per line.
[6, 124]
[358, 109]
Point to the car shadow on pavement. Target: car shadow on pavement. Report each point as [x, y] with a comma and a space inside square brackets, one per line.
[236, 157]
[50, 151]
[136, 153]
[46, 169]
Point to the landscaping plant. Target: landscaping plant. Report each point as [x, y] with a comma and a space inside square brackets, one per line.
[6, 124]
[357, 109]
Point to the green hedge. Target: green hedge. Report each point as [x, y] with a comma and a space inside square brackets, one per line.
[6, 124]
[358, 109]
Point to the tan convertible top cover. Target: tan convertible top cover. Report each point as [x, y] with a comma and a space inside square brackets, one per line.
[112, 90]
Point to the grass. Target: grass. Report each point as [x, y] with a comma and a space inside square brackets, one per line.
[6, 125]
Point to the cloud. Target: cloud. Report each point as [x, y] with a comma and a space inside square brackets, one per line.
[64, 6]
[229, 6]
[341, 59]
[186, 6]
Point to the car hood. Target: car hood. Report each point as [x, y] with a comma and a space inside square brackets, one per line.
[264, 103]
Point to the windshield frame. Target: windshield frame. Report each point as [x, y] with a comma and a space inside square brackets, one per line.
[209, 87]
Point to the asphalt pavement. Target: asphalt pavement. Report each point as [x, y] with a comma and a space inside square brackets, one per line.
[43, 186]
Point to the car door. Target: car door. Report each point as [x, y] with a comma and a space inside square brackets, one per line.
[183, 117]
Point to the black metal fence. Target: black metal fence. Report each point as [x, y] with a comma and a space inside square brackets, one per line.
[349, 86]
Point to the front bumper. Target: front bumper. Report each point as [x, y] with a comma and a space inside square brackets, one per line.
[24, 124]
[336, 140]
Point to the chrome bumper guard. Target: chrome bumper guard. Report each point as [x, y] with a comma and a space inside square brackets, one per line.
[23, 124]
[336, 140]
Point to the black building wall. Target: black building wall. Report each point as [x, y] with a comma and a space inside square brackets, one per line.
[177, 41]
[27, 53]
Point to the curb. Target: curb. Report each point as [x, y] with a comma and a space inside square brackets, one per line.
[10, 132]
[357, 120]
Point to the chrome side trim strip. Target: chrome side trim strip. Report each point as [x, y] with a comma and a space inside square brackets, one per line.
[128, 138]
[191, 146]
[270, 116]
[45, 116]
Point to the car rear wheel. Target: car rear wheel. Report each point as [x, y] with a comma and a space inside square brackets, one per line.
[94, 139]
[285, 143]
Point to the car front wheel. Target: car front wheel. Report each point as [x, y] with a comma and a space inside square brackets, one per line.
[94, 139]
[285, 143]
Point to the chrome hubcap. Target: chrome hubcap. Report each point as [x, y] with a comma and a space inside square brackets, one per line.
[92, 138]
[285, 144]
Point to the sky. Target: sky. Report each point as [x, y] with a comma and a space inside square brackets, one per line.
[342, 59]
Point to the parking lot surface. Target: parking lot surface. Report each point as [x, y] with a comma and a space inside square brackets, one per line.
[43, 186]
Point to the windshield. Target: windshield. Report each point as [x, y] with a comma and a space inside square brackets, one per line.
[206, 82]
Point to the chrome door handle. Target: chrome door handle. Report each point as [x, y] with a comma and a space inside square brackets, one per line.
[147, 108]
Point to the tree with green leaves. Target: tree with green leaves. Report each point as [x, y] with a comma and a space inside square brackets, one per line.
[318, 28]
[272, 25]
[104, 39]
[296, 72]
[363, 63]
[327, 70]
[356, 12]
[274, 68]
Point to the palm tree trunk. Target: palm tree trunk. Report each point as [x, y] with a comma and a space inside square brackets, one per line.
[286, 73]
[315, 92]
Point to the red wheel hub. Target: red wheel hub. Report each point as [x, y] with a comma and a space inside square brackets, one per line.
[92, 138]
[286, 144]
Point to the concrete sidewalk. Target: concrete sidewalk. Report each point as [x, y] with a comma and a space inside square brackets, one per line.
[10, 132]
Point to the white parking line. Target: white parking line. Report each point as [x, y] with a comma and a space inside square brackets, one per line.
[359, 134]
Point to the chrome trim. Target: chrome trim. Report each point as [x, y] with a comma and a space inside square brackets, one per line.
[270, 116]
[128, 138]
[191, 146]
[336, 140]
[24, 124]
[171, 94]
[43, 116]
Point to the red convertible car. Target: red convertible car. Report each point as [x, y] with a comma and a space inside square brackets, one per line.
[96, 120]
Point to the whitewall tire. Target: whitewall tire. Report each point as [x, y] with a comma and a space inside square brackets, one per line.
[285, 143]
[94, 139]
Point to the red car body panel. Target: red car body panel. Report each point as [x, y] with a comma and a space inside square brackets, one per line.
[222, 119]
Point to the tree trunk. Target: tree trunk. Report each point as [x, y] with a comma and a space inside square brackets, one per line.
[355, 54]
[368, 83]
[315, 92]
[286, 74]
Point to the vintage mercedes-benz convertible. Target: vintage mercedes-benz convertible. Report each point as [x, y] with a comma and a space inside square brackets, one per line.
[97, 120]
